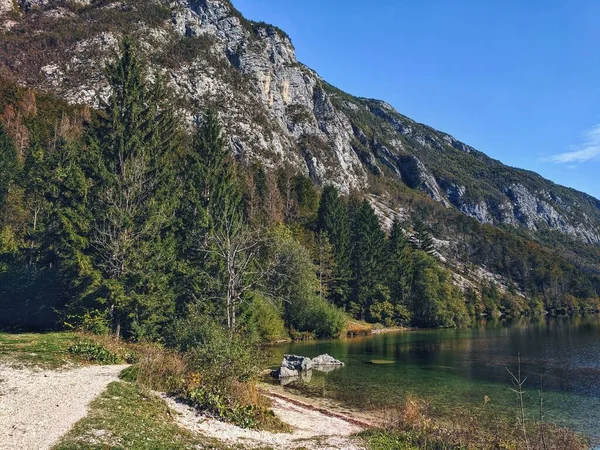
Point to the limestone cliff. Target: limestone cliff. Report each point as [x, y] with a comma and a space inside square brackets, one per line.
[275, 109]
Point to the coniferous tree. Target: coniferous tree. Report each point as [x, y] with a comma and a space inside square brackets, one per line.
[325, 263]
[368, 260]
[9, 166]
[398, 268]
[130, 239]
[334, 221]
[229, 247]
[219, 186]
[421, 238]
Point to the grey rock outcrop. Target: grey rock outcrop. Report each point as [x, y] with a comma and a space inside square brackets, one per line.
[279, 112]
[292, 366]
[6, 6]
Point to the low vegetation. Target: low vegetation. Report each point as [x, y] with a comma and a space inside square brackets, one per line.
[128, 416]
[413, 426]
[48, 350]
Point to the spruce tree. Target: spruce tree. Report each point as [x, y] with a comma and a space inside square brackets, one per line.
[421, 238]
[334, 221]
[397, 263]
[131, 245]
[9, 166]
[227, 247]
[368, 260]
[217, 180]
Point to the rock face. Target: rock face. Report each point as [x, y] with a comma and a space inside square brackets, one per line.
[6, 6]
[278, 111]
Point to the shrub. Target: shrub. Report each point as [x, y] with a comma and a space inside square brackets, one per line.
[159, 369]
[221, 367]
[93, 352]
[295, 282]
[263, 320]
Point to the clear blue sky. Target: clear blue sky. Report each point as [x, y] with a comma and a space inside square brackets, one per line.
[518, 80]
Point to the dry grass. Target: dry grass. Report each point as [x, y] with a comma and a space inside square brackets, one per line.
[356, 328]
[413, 425]
[160, 369]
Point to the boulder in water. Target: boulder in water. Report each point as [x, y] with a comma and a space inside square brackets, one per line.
[326, 360]
[293, 366]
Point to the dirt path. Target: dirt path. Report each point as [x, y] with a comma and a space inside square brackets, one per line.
[38, 406]
[312, 429]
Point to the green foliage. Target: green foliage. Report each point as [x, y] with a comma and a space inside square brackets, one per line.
[93, 352]
[368, 260]
[262, 319]
[433, 300]
[221, 363]
[334, 222]
[295, 285]
[9, 165]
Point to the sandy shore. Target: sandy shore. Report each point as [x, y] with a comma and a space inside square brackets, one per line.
[313, 428]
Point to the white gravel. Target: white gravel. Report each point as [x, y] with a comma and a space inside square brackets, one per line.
[312, 430]
[37, 407]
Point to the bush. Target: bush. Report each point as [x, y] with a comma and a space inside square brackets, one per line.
[295, 281]
[159, 369]
[263, 320]
[221, 367]
[324, 319]
[93, 352]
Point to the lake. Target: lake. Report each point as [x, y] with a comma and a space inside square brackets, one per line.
[462, 366]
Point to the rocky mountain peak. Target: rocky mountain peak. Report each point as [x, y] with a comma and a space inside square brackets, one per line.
[276, 110]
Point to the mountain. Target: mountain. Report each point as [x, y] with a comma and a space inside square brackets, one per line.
[278, 112]
[276, 109]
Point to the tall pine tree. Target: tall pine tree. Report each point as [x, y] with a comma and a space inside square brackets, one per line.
[368, 260]
[131, 245]
[334, 221]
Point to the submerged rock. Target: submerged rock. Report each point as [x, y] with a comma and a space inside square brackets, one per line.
[303, 377]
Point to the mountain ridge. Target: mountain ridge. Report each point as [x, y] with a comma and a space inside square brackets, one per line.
[279, 111]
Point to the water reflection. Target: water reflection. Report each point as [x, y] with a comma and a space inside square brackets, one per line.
[464, 366]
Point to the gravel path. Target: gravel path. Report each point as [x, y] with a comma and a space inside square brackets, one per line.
[312, 430]
[38, 406]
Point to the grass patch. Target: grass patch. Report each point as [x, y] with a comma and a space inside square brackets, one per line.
[358, 328]
[128, 416]
[414, 426]
[381, 439]
[48, 350]
[54, 350]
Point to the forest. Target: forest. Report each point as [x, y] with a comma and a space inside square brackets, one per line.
[126, 221]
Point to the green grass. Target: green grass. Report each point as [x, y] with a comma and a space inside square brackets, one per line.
[49, 350]
[381, 439]
[127, 416]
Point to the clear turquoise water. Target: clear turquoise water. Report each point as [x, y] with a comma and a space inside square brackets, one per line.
[461, 366]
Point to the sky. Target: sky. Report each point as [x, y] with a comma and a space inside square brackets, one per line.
[518, 80]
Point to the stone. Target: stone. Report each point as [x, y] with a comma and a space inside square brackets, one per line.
[6, 6]
[326, 360]
[296, 363]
